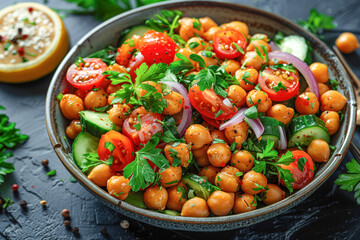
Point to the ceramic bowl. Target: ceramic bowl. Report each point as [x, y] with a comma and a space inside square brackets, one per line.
[109, 33]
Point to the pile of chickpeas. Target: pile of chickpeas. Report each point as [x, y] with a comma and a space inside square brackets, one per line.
[218, 164]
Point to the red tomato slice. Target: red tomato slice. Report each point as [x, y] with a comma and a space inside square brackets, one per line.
[208, 104]
[212, 122]
[149, 125]
[87, 76]
[225, 42]
[123, 153]
[271, 78]
[302, 178]
[157, 47]
[134, 63]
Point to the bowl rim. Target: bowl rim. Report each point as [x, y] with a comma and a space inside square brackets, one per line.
[274, 209]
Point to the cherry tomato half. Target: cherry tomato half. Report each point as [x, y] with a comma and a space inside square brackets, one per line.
[87, 76]
[302, 178]
[123, 152]
[126, 50]
[157, 47]
[135, 62]
[208, 104]
[212, 122]
[269, 82]
[149, 125]
[227, 42]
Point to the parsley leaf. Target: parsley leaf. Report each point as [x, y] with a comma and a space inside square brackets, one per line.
[142, 175]
[51, 173]
[79, 62]
[216, 140]
[279, 86]
[7, 202]
[350, 181]
[198, 59]
[92, 160]
[333, 84]
[301, 163]
[107, 55]
[137, 126]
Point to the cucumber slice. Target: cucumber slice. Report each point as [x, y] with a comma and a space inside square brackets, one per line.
[306, 128]
[201, 187]
[297, 46]
[96, 123]
[271, 129]
[137, 30]
[169, 212]
[84, 143]
[136, 199]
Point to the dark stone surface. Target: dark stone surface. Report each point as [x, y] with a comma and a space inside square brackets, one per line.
[328, 213]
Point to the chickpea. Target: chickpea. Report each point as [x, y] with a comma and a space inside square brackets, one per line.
[244, 203]
[249, 180]
[201, 156]
[175, 197]
[208, 60]
[227, 182]
[242, 160]
[332, 101]
[186, 52]
[248, 78]
[94, 99]
[198, 136]
[187, 29]
[237, 95]
[71, 105]
[199, 44]
[221, 203]
[207, 23]
[183, 153]
[231, 66]
[273, 195]
[118, 186]
[209, 34]
[323, 88]
[73, 129]
[319, 150]
[347, 42]
[260, 36]
[195, 207]
[331, 120]
[210, 172]
[142, 92]
[170, 176]
[231, 171]
[238, 26]
[281, 113]
[252, 60]
[237, 133]
[155, 197]
[320, 72]
[259, 98]
[217, 134]
[101, 174]
[219, 154]
[259, 44]
[307, 103]
[113, 88]
[174, 103]
[118, 113]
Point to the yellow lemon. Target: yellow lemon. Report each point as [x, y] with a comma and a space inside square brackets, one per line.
[33, 41]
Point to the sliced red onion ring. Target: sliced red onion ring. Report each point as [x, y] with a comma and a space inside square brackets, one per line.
[301, 66]
[227, 102]
[283, 139]
[237, 118]
[273, 46]
[256, 126]
[187, 111]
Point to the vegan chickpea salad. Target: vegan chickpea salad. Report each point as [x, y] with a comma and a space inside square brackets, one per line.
[188, 117]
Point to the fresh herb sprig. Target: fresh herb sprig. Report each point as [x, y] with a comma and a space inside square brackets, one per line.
[350, 181]
[141, 173]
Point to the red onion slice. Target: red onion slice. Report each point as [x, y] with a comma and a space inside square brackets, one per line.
[283, 139]
[273, 46]
[299, 65]
[237, 118]
[256, 126]
[227, 102]
[187, 111]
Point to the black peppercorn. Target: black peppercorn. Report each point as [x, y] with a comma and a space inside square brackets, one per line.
[23, 204]
[67, 223]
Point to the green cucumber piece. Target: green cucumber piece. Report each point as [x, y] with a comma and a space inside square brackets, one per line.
[169, 212]
[137, 30]
[295, 45]
[96, 123]
[84, 143]
[271, 129]
[306, 128]
[136, 199]
[201, 187]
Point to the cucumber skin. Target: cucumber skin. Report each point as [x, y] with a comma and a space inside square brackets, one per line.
[136, 199]
[92, 128]
[201, 187]
[78, 159]
[299, 126]
[136, 30]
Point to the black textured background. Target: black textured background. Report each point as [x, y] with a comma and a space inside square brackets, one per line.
[329, 213]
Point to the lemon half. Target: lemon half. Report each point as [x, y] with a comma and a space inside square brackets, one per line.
[33, 41]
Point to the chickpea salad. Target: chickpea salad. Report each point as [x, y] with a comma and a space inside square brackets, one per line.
[188, 117]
